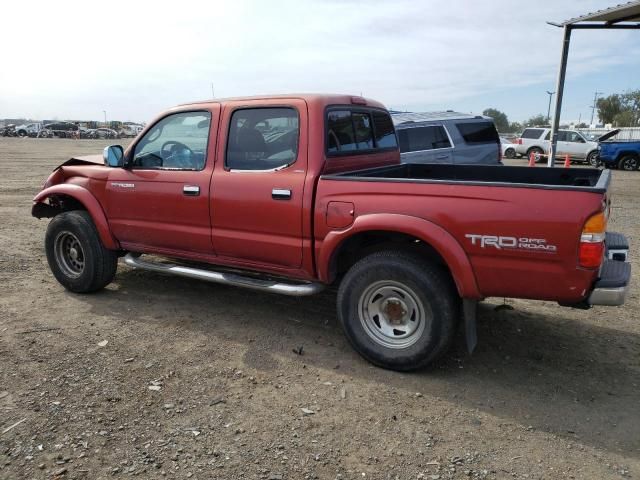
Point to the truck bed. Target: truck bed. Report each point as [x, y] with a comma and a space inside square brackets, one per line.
[581, 179]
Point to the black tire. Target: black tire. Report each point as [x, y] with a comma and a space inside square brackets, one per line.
[510, 153]
[536, 150]
[413, 282]
[593, 159]
[22, 133]
[629, 163]
[76, 255]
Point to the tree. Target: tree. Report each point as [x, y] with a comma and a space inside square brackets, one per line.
[609, 107]
[515, 127]
[499, 118]
[536, 121]
[582, 125]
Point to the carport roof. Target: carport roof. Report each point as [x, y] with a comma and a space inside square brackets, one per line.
[626, 12]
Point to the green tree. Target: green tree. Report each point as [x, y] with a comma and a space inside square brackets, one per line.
[499, 118]
[626, 118]
[536, 121]
[582, 125]
[609, 107]
[515, 127]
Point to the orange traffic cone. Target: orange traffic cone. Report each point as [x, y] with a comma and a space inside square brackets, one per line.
[567, 162]
[532, 159]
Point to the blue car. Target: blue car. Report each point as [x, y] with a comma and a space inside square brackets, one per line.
[622, 154]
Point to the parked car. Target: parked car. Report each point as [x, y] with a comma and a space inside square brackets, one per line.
[570, 142]
[106, 133]
[29, 129]
[622, 154]
[9, 130]
[447, 137]
[290, 194]
[130, 130]
[508, 148]
[63, 129]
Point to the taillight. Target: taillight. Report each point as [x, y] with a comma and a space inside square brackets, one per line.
[592, 241]
[519, 141]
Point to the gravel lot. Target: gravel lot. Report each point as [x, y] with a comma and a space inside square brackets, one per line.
[167, 377]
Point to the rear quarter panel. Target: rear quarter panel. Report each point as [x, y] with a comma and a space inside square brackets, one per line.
[550, 217]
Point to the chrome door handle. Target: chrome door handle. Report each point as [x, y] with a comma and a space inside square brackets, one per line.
[191, 190]
[281, 194]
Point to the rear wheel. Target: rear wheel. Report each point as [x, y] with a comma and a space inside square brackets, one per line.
[76, 255]
[510, 153]
[629, 162]
[398, 310]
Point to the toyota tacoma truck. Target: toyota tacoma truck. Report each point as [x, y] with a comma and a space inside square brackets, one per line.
[291, 194]
[622, 154]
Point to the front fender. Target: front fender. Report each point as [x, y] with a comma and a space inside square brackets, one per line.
[430, 233]
[90, 202]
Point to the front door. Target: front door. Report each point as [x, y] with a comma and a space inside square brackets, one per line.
[257, 188]
[160, 201]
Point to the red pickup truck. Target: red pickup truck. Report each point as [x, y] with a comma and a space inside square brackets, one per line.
[289, 194]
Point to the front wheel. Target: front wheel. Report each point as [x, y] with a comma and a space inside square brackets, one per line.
[629, 162]
[593, 159]
[76, 255]
[398, 310]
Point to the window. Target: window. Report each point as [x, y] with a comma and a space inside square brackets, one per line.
[534, 133]
[478, 132]
[177, 142]
[562, 136]
[359, 130]
[574, 137]
[262, 138]
[548, 135]
[415, 139]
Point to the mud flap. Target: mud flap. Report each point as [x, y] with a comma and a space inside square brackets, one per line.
[470, 308]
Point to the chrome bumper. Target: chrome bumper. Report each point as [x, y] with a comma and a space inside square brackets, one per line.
[612, 285]
[608, 296]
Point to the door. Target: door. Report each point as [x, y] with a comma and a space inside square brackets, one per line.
[562, 145]
[576, 145]
[257, 187]
[161, 200]
[425, 144]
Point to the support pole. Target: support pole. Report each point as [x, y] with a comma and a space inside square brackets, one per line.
[559, 93]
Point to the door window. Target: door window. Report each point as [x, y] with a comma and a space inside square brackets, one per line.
[416, 139]
[574, 137]
[177, 142]
[562, 136]
[359, 131]
[262, 139]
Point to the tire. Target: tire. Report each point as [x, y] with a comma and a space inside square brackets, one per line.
[592, 159]
[510, 153]
[22, 133]
[536, 150]
[420, 295]
[76, 255]
[629, 163]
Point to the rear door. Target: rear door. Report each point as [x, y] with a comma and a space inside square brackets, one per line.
[425, 144]
[257, 188]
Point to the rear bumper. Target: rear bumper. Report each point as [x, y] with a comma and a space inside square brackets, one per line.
[612, 285]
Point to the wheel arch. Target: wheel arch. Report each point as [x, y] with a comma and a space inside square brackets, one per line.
[65, 197]
[376, 232]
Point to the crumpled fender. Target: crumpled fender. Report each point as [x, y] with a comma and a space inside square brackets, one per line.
[441, 240]
[90, 202]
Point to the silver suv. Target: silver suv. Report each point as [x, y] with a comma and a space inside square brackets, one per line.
[570, 142]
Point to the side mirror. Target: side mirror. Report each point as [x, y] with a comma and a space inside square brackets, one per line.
[113, 156]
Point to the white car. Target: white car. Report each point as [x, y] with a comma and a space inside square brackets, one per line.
[570, 142]
[508, 148]
[28, 129]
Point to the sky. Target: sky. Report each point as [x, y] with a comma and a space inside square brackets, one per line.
[135, 59]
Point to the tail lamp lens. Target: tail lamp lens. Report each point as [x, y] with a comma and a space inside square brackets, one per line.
[592, 241]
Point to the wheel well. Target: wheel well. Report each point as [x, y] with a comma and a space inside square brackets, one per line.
[628, 153]
[362, 244]
[57, 204]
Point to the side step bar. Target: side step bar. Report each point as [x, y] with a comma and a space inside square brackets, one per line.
[292, 289]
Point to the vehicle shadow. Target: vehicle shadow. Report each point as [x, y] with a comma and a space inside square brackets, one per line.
[544, 371]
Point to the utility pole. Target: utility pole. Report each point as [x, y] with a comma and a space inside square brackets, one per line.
[593, 109]
[549, 107]
[105, 117]
[213, 94]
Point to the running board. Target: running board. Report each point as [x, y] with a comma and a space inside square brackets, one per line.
[292, 289]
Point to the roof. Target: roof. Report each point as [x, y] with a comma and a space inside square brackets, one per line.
[319, 98]
[625, 12]
[404, 117]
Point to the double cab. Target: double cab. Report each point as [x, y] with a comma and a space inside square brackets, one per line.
[291, 194]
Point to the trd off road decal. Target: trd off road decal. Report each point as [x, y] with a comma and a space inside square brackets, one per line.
[511, 243]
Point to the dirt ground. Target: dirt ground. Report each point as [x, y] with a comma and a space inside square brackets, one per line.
[549, 393]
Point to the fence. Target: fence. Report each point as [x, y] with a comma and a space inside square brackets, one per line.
[626, 133]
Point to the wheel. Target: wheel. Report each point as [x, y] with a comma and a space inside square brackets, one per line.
[593, 159]
[76, 255]
[22, 133]
[398, 310]
[536, 150]
[510, 153]
[629, 162]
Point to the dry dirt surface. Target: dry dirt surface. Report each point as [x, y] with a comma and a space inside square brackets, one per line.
[167, 377]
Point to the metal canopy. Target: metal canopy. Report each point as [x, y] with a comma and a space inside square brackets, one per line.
[624, 16]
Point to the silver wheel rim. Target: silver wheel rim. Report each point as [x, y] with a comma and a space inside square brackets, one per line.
[629, 164]
[392, 314]
[593, 159]
[69, 254]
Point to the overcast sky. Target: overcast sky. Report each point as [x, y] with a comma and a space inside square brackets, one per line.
[74, 59]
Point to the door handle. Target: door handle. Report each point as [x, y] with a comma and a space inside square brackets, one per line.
[281, 194]
[442, 157]
[191, 190]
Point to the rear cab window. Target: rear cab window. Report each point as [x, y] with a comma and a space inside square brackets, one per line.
[475, 133]
[353, 131]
